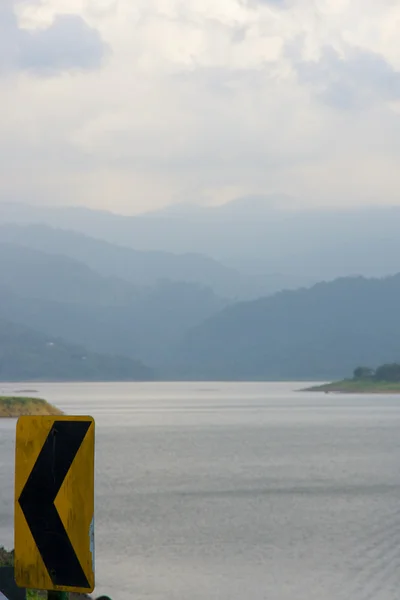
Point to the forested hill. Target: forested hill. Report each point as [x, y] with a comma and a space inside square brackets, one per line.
[315, 333]
[111, 260]
[61, 297]
[26, 355]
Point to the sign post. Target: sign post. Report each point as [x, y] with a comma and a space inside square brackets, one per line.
[8, 588]
[56, 595]
[54, 505]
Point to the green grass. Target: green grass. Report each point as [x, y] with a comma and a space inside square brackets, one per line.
[35, 595]
[15, 406]
[357, 386]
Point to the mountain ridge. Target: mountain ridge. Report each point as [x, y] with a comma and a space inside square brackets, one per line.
[311, 333]
[104, 314]
[303, 246]
[28, 355]
[115, 260]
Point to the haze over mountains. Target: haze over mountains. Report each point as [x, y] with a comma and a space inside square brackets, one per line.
[272, 245]
[111, 260]
[191, 292]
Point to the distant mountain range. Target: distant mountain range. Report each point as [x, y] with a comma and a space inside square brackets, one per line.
[183, 315]
[261, 244]
[112, 260]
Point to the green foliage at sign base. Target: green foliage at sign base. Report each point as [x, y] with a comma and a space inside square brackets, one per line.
[35, 595]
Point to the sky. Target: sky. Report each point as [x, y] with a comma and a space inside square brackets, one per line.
[133, 106]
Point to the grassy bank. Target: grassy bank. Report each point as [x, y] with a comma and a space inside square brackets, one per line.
[354, 386]
[15, 406]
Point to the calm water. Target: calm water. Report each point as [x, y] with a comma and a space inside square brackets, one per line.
[233, 491]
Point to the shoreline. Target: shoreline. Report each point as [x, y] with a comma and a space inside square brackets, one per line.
[12, 407]
[351, 386]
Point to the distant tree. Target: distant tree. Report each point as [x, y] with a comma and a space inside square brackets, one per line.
[363, 373]
[388, 372]
[6, 558]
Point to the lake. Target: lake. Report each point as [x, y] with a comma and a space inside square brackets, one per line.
[232, 491]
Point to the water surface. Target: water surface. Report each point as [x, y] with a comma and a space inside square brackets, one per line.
[232, 491]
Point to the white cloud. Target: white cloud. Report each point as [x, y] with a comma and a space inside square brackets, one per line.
[355, 81]
[200, 99]
[66, 43]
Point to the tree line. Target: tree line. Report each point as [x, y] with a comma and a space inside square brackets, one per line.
[387, 372]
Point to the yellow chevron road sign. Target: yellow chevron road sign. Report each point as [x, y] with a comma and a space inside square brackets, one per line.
[54, 503]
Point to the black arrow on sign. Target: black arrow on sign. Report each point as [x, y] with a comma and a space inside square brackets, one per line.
[38, 497]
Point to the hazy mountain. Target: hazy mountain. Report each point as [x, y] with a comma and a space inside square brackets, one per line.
[141, 268]
[320, 332]
[187, 331]
[26, 355]
[38, 274]
[226, 230]
[273, 245]
[62, 297]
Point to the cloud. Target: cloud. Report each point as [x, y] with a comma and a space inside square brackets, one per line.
[355, 81]
[271, 3]
[67, 44]
[199, 99]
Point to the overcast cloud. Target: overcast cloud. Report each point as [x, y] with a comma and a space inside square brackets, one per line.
[134, 105]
